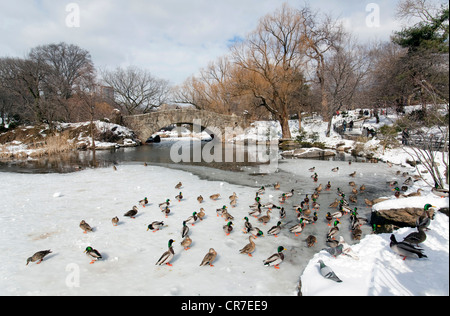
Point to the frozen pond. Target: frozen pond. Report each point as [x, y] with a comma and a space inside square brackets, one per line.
[42, 211]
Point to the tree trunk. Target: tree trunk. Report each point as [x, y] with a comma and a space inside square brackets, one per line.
[285, 130]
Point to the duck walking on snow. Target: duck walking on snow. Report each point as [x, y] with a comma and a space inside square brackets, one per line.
[93, 254]
[38, 256]
[250, 247]
[406, 250]
[85, 227]
[167, 256]
[276, 259]
[209, 258]
[131, 213]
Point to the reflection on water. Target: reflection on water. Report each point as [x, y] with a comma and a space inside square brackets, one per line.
[230, 157]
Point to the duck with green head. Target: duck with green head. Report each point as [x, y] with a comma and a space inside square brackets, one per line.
[93, 254]
[276, 259]
[228, 228]
[275, 230]
[167, 256]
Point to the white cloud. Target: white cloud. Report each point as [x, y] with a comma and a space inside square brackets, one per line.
[171, 38]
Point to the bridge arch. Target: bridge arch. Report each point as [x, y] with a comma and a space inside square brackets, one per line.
[146, 125]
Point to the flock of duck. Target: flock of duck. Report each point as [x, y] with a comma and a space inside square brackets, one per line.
[307, 213]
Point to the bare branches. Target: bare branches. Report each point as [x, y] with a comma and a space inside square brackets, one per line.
[137, 91]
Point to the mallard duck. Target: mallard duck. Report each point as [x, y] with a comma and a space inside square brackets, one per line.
[261, 190]
[155, 226]
[315, 205]
[143, 202]
[200, 199]
[220, 211]
[228, 228]
[397, 193]
[275, 230]
[405, 250]
[38, 256]
[315, 217]
[192, 219]
[265, 219]
[270, 206]
[85, 227]
[276, 259]
[334, 204]
[209, 258]
[315, 177]
[328, 273]
[417, 193]
[353, 199]
[179, 197]
[362, 188]
[329, 218]
[277, 186]
[357, 233]
[319, 188]
[165, 204]
[233, 197]
[215, 197]
[311, 240]
[227, 216]
[306, 199]
[393, 183]
[93, 253]
[335, 169]
[368, 202]
[282, 198]
[250, 247]
[166, 212]
[131, 213]
[417, 237]
[282, 213]
[167, 256]
[255, 231]
[357, 221]
[442, 193]
[333, 230]
[186, 243]
[115, 221]
[185, 230]
[289, 194]
[332, 243]
[201, 215]
[233, 203]
[352, 174]
[297, 229]
[179, 185]
[425, 220]
[312, 169]
[256, 212]
[408, 181]
[328, 186]
[247, 225]
[354, 191]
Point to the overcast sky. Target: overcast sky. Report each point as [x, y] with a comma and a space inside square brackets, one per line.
[172, 39]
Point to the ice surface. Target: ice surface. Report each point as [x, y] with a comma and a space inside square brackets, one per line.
[43, 211]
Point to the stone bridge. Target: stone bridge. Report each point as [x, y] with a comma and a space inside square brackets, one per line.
[146, 125]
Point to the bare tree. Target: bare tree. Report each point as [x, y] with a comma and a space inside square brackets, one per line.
[345, 72]
[271, 63]
[136, 90]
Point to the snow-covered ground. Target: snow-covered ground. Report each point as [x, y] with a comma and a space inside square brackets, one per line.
[40, 212]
